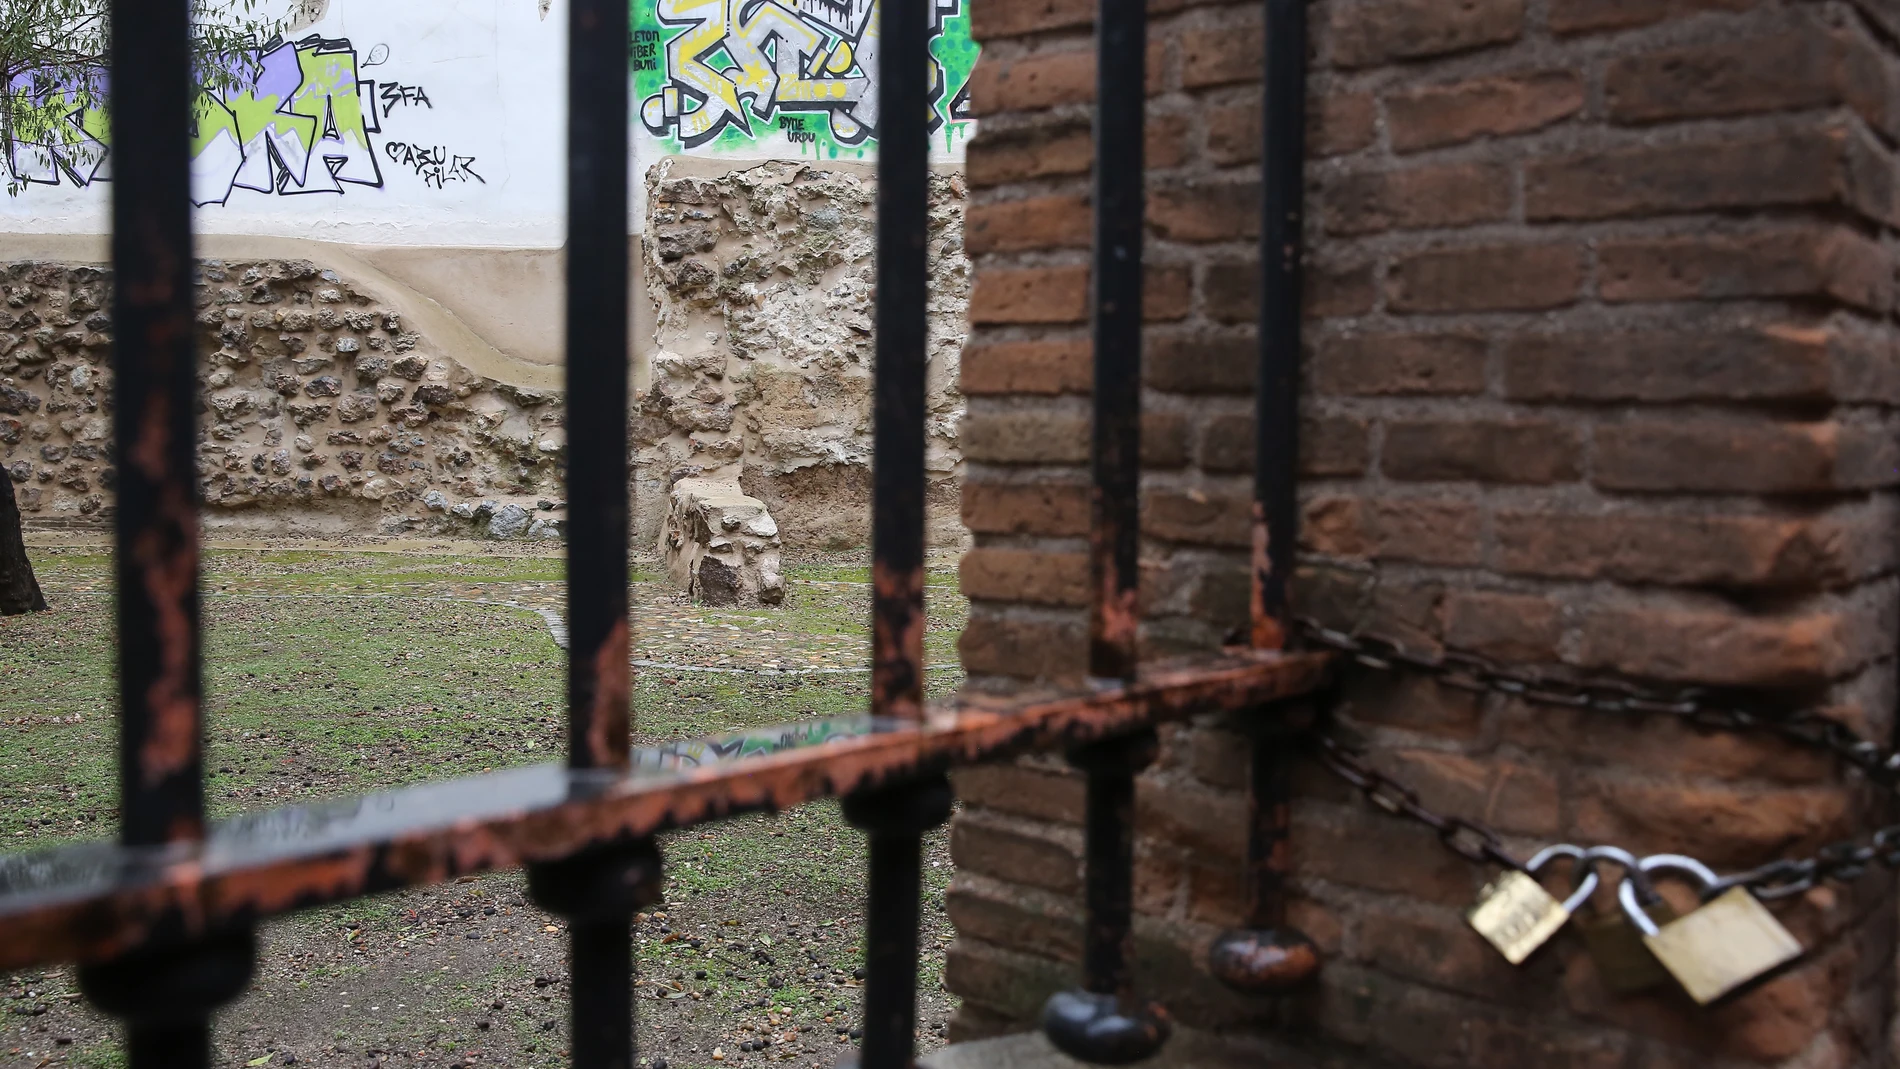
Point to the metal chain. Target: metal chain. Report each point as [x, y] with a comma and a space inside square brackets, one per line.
[1843, 861]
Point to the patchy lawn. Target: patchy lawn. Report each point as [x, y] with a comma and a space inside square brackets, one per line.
[335, 672]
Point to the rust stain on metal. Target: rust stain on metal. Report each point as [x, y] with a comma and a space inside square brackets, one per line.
[170, 571]
[226, 881]
[1269, 632]
[897, 642]
[1263, 962]
[607, 728]
[1115, 614]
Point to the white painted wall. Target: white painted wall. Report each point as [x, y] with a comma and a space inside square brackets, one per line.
[493, 73]
[480, 163]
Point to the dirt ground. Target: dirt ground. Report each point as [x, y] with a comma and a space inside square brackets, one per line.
[337, 669]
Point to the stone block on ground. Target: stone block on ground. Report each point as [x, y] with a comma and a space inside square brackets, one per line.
[721, 546]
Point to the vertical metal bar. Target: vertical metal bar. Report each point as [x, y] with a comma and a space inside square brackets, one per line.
[155, 426]
[1103, 1022]
[598, 681]
[602, 986]
[169, 1045]
[1115, 534]
[166, 997]
[1265, 955]
[1277, 393]
[896, 816]
[599, 685]
[891, 920]
[897, 493]
[1108, 882]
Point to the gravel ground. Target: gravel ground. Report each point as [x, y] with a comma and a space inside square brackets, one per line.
[335, 670]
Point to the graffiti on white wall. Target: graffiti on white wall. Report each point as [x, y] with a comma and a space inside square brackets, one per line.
[302, 119]
[737, 73]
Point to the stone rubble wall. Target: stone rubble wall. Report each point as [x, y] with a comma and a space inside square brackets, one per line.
[324, 412]
[320, 411]
[762, 280]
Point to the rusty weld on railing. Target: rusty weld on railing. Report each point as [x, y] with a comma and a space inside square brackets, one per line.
[162, 923]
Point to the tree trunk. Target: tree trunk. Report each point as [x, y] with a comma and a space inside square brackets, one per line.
[19, 591]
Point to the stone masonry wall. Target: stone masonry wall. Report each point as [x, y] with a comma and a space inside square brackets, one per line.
[762, 278]
[1601, 376]
[321, 412]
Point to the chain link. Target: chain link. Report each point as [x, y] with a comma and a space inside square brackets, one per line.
[1843, 861]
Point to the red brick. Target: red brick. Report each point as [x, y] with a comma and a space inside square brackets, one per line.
[1053, 509]
[1048, 366]
[1507, 627]
[1016, 851]
[1211, 824]
[1337, 288]
[1692, 550]
[1207, 517]
[1056, 222]
[1220, 56]
[1737, 456]
[1371, 32]
[1807, 262]
[1042, 79]
[1338, 124]
[1020, 154]
[1025, 437]
[1438, 115]
[1159, 882]
[1165, 439]
[1431, 947]
[1217, 895]
[1336, 526]
[989, 22]
[1423, 530]
[1778, 362]
[1388, 855]
[1790, 69]
[1201, 362]
[1595, 16]
[1167, 292]
[1330, 446]
[1725, 647]
[1030, 295]
[1375, 365]
[1413, 703]
[1442, 196]
[1013, 916]
[1799, 167]
[1486, 278]
[1205, 211]
[1427, 530]
[1006, 984]
[1027, 648]
[1025, 790]
[1501, 451]
[1580, 738]
[1731, 827]
[1026, 575]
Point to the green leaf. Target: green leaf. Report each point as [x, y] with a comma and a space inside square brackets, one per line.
[254, 1062]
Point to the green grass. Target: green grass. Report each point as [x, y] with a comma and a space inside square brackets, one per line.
[336, 673]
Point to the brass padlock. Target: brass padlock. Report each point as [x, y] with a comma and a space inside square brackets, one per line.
[1516, 915]
[1721, 946]
[1623, 964]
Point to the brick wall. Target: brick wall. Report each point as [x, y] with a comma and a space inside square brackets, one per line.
[1601, 374]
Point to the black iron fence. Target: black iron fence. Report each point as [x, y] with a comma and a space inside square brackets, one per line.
[162, 922]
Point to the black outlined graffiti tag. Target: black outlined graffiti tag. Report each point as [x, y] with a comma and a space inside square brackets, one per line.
[434, 164]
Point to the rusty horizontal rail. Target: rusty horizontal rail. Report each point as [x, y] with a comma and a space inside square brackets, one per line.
[91, 901]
